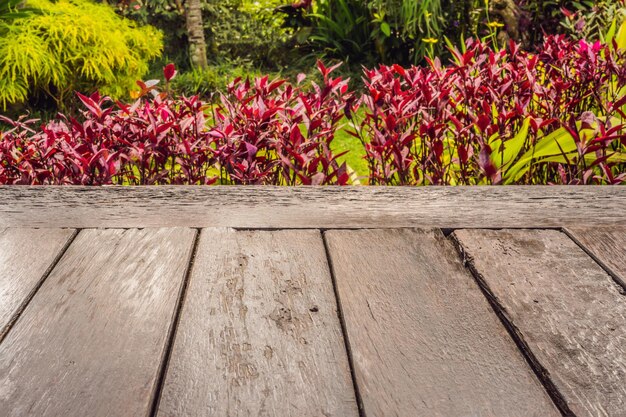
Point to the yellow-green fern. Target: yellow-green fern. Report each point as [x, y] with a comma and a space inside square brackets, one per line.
[73, 45]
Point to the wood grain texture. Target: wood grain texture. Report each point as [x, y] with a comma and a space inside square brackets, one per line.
[26, 256]
[259, 333]
[607, 245]
[565, 308]
[423, 338]
[312, 207]
[91, 341]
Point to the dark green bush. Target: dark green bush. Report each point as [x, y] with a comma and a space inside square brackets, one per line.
[213, 79]
[167, 16]
[251, 30]
[234, 29]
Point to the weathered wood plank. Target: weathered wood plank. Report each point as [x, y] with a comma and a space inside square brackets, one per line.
[564, 308]
[312, 207]
[26, 256]
[91, 341]
[423, 338]
[607, 245]
[259, 333]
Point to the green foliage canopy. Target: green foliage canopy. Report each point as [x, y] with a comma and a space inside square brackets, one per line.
[73, 45]
[392, 31]
[248, 29]
[235, 30]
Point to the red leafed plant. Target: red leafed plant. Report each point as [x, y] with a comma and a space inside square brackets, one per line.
[491, 117]
[152, 141]
[499, 117]
[272, 132]
[263, 132]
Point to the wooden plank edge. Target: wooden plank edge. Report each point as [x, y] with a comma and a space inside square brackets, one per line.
[164, 362]
[5, 331]
[344, 329]
[616, 277]
[267, 207]
[237, 250]
[542, 373]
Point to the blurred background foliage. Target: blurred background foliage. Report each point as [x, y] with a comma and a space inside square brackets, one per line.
[49, 48]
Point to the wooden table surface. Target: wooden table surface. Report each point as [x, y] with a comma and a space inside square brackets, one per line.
[356, 301]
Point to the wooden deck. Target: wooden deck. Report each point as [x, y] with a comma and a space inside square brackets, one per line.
[263, 301]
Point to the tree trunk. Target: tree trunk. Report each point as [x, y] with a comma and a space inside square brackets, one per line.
[195, 33]
[509, 13]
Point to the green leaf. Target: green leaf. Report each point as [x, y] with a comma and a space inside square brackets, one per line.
[620, 38]
[511, 148]
[385, 29]
[556, 143]
[514, 146]
[610, 34]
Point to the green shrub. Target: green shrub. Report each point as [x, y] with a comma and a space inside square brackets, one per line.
[248, 29]
[73, 45]
[413, 26]
[200, 82]
[393, 31]
[342, 29]
[215, 78]
[234, 29]
[169, 17]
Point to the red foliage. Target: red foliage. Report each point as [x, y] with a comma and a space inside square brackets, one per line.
[150, 142]
[271, 132]
[472, 122]
[434, 125]
[264, 133]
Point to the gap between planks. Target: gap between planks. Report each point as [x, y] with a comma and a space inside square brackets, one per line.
[171, 339]
[542, 373]
[593, 255]
[344, 330]
[4, 332]
[416, 334]
[487, 254]
[531, 359]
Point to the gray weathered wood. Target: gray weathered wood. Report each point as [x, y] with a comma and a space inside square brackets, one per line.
[259, 333]
[312, 207]
[607, 245]
[91, 341]
[423, 338]
[26, 256]
[566, 310]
